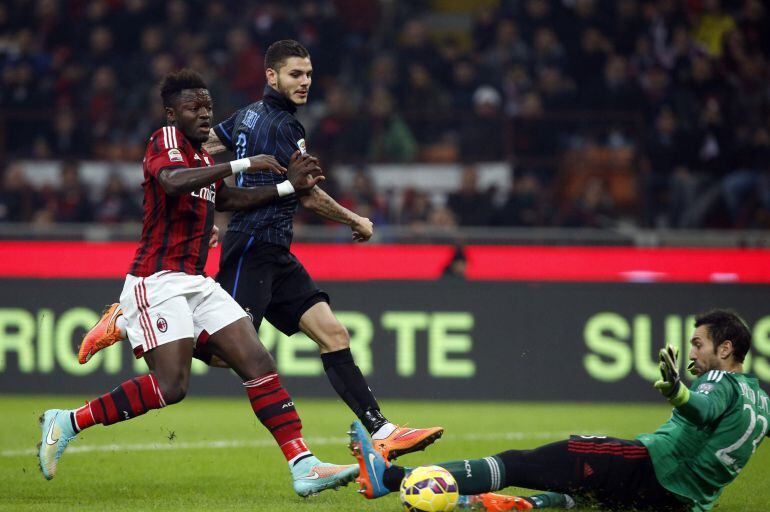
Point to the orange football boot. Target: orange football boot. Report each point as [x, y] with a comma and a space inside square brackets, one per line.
[101, 335]
[493, 502]
[405, 440]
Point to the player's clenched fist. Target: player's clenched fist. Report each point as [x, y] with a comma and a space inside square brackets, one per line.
[362, 229]
[304, 173]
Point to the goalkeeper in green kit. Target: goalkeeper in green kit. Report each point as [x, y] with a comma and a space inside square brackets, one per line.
[716, 426]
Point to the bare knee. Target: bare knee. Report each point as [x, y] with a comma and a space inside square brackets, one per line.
[263, 364]
[247, 356]
[173, 390]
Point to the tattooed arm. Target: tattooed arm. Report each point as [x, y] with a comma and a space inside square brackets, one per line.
[214, 145]
[323, 205]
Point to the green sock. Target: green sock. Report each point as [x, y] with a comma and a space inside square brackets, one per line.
[551, 500]
[476, 476]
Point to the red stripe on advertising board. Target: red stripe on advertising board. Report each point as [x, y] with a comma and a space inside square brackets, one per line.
[323, 261]
[608, 264]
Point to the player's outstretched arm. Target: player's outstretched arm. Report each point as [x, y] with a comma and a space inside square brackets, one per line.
[324, 205]
[303, 174]
[214, 144]
[699, 408]
[176, 181]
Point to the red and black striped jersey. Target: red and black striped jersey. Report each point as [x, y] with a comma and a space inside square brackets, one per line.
[176, 229]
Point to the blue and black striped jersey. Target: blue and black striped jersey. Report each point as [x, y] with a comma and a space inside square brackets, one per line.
[266, 127]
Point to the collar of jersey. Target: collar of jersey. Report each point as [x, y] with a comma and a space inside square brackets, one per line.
[278, 100]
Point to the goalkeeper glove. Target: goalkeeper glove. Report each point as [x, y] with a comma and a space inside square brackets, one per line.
[670, 385]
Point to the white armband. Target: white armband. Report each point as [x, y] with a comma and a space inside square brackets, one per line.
[238, 166]
[285, 188]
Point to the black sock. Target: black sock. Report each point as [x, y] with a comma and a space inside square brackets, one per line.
[349, 383]
[392, 477]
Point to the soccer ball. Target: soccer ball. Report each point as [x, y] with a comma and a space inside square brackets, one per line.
[429, 489]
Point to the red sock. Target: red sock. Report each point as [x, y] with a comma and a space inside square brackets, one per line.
[275, 409]
[129, 400]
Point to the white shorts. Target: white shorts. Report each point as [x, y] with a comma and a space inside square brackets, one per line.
[169, 306]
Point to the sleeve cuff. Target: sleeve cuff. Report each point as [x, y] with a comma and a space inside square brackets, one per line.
[682, 396]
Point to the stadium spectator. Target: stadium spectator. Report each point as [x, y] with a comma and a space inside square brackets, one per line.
[537, 14]
[67, 136]
[470, 205]
[416, 47]
[593, 209]
[522, 205]
[749, 184]
[712, 26]
[611, 89]
[71, 201]
[753, 19]
[482, 132]
[338, 134]
[547, 58]
[366, 200]
[17, 197]
[243, 70]
[548, 50]
[665, 178]
[117, 204]
[415, 208]
[508, 48]
[626, 25]
[389, 136]
[464, 84]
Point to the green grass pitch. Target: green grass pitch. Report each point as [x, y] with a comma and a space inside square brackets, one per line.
[212, 454]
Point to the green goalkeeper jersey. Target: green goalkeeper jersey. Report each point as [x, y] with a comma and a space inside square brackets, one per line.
[709, 439]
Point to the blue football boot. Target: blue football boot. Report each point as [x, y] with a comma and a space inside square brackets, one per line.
[312, 476]
[371, 463]
[57, 432]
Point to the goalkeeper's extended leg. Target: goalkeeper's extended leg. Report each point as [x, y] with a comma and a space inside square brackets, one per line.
[614, 472]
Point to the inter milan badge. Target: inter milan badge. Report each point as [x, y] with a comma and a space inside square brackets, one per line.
[162, 324]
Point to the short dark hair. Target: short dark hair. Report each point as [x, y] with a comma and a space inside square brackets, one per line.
[279, 51]
[723, 325]
[177, 81]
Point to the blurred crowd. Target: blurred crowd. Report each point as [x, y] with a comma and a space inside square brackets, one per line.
[653, 112]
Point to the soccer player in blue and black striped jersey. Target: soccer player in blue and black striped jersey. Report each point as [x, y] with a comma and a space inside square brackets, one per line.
[257, 267]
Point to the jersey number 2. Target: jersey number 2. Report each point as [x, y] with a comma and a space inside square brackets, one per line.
[725, 454]
[240, 152]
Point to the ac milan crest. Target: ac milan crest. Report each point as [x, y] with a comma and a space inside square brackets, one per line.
[162, 324]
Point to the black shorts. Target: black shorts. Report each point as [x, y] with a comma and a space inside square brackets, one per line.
[618, 474]
[267, 281]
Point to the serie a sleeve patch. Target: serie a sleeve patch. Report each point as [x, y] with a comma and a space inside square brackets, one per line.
[175, 155]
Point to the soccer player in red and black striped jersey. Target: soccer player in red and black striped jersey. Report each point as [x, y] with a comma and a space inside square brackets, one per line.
[170, 307]
[176, 227]
[257, 266]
